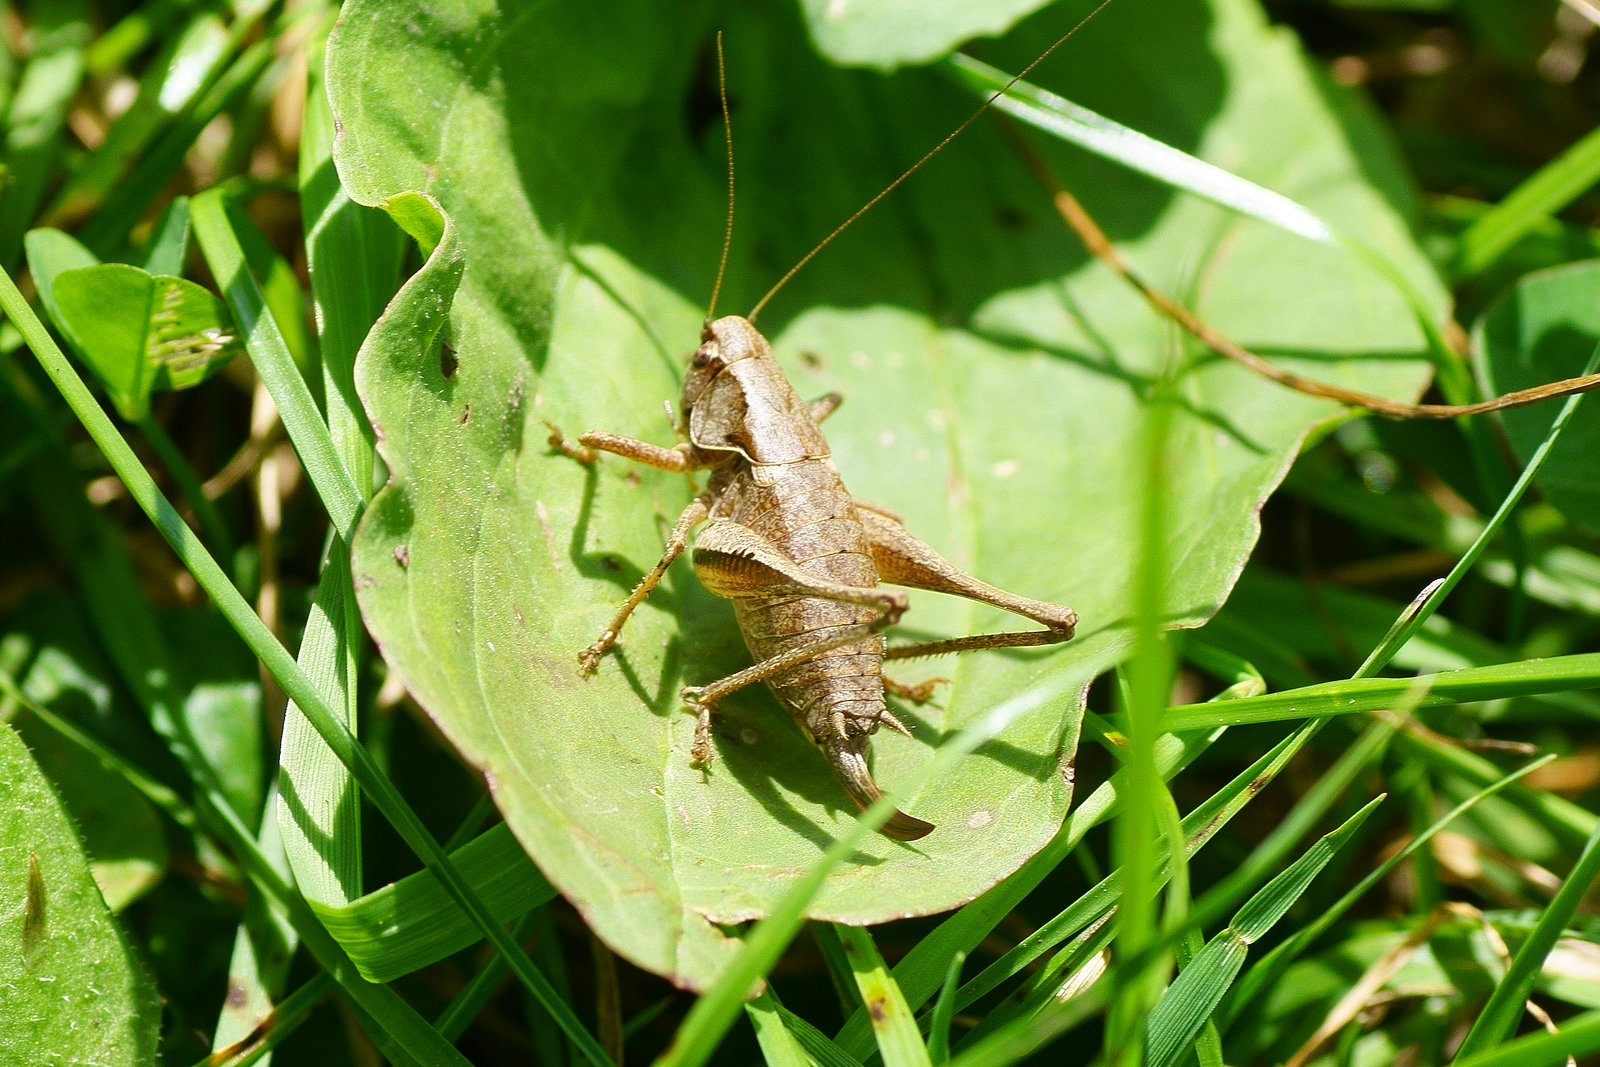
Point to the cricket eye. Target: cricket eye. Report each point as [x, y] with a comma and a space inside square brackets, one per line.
[704, 354]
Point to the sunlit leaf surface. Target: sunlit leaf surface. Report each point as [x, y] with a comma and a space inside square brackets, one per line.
[996, 387]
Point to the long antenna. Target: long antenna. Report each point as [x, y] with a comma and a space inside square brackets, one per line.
[935, 150]
[727, 233]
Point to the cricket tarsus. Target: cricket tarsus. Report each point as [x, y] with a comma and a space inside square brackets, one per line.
[800, 559]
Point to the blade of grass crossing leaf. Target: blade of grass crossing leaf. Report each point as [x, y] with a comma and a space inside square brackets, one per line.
[1548, 190]
[274, 657]
[1201, 826]
[273, 362]
[1078, 125]
[921, 971]
[899, 1041]
[1498, 1020]
[716, 1009]
[943, 1009]
[1199, 988]
[779, 1047]
[1259, 977]
[1140, 843]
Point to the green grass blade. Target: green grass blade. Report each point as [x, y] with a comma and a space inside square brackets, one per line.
[263, 947]
[168, 245]
[409, 924]
[1200, 827]
[943, 1009]
[319, 806]
[1199, 988]
[1271, 967]
[1435, 595]
[899, 1041]
[1471, 684]
[59, 33]
[816, 1043]
[275, 365]
[1578, 1037]
[921, 972]
[466, 1005]
[1548, 190]
[1022, 1037]
[779, 1047]
[1498, 1020]
[715, 1011]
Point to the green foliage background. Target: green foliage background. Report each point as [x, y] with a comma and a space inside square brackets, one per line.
[514, 216]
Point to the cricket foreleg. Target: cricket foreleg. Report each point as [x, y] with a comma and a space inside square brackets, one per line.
[903, 559]
[692, 516]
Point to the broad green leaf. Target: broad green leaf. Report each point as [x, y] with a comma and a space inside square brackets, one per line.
[1543, 330]
[50, 253]
[74, 992]
[49, 653]
[892, 33]
[140, 332]
[995, 380]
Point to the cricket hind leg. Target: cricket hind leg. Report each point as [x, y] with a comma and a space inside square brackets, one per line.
[735, 562]
[904, 559]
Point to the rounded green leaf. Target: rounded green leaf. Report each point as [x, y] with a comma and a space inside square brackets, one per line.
[74, 993]
[140, 332]
[1543, 330]
[892, 33]
[996, 386]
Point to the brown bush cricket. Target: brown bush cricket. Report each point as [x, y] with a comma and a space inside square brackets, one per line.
[800, 558]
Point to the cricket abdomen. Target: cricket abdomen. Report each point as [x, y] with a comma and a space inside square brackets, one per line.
[803, 509]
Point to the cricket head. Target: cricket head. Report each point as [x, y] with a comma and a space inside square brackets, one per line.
[848, 757]
[736, 399]
[725, 341]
